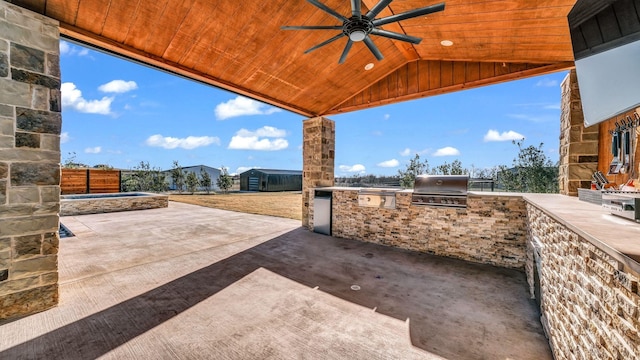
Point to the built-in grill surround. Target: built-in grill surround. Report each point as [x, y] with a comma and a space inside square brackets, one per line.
[440, 191]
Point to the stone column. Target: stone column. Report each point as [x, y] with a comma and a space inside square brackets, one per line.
[318, 154]
[30, 122]
[578, 144]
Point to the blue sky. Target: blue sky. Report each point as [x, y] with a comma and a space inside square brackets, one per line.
[119, 113]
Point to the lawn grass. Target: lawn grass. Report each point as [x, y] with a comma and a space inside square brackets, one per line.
[280, 204]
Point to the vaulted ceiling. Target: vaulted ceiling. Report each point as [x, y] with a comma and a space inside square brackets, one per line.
[240, 46]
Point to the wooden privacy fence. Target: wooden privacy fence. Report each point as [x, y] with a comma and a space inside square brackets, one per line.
[89, 181]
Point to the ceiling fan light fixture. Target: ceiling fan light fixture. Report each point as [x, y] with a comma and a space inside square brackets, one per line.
[357, 35]
[446, 42]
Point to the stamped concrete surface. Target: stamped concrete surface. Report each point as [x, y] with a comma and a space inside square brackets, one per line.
[188, 282]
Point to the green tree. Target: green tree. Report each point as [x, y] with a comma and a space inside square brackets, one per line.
[455, 168]
[414, 168]
[177, 175]
[205, 180]
[191, 181]
[144, 178]
[225, 181]
[532, 171]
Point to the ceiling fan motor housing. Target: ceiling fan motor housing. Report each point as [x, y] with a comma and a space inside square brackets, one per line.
[357, 29]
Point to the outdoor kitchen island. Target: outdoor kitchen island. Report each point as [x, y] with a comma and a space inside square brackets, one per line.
[581, 262]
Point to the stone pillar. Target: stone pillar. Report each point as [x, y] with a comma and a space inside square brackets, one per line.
[578, 144]
[318, 154]
[30, 122]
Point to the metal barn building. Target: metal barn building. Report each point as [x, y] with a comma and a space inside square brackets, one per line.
[271, 180]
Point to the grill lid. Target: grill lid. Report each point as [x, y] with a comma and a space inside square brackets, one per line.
[441, 184]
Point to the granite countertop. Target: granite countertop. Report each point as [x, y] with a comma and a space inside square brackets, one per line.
[611, 233]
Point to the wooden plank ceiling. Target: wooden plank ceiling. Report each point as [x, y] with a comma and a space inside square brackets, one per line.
[239, 46]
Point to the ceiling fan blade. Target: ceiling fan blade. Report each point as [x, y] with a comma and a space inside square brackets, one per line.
[325, 43]
[396, 36]
[375, 10]
[327, 9]
[347, 47]
[311, 27]
[409, 14]
[356, 9]
[373, 48]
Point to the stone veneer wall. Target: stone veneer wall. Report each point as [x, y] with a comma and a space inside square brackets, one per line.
[318, 154]
[589, 300]
[30, 123]
[492, 230]
[578, 145]
[112, 204]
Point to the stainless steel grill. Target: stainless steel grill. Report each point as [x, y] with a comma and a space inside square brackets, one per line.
[440, 190]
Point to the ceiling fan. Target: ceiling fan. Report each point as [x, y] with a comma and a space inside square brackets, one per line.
[358, 27]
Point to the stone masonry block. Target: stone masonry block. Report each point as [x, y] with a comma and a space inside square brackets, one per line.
[12, 227]
[53, 65]
[4, 170]
[4, 45]
[24, 174]
[5, 244]
[40, 98]
[14, 92]
[6, 142]
[28, 301]
[24, 57]
[6, 126]
[29, 140]
[28, 36]
[6, 111]
[582, 171]
[3, 192]
[26, 154]
[24, 195]
[50, 142]
[38, 121]
[584, 148]
[34, 266]
[4, 65]
[49, 193]
[50, 243]
[55, 100]
[27, 246]
[34, 78]
[12, 286]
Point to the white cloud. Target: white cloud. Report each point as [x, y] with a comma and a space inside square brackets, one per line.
[389, 163]
[93, 150]
[64, 47]
[555, 106]
[242, 169]
[409, 152]
[188, 143]
[547, 83]
[259, 140]
[64, 137]
[447, 151]
[357, 168]
[68, 49]
[376, 133]
[242, 106]
[533, 118]
[494, 135]
[118, 86]
[387, 116]
[72, 98]
[265, 131]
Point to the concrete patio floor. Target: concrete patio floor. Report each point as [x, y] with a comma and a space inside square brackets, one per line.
[188, 282]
